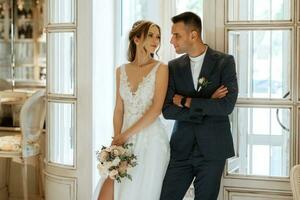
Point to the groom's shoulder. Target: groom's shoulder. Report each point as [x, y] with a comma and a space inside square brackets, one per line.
[177, 61]
[218, 54]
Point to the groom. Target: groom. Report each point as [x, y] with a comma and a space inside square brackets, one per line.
[202, 93]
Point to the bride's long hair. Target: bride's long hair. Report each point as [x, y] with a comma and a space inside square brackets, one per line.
[139, 28]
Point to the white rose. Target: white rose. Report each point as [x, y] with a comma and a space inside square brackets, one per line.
[102, 169]
[108, 164]
[121, 150]
[109, 149]
[104, 156]
[113, 174]
[116, 161]
[201, 80]
[116, 152]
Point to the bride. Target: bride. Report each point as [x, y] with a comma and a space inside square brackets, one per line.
[141, 90]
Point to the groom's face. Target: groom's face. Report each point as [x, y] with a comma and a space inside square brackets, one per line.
[181, 39]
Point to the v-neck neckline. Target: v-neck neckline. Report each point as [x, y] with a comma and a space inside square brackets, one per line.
[129, 85]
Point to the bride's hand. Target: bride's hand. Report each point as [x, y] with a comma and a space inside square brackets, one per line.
[120, 139]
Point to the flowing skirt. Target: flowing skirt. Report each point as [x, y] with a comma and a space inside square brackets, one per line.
[151, 146]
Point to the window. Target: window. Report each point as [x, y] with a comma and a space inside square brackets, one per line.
[263, 138]
[195, 6]
[158, 11]
[262, 121]
[256, 10]
[264, 63]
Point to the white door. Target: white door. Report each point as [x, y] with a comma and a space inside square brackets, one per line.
[68, 170]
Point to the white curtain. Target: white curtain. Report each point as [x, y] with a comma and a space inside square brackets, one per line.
[103, 76]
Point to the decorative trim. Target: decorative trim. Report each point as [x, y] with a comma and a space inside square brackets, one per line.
[229, 193]
[67, 181]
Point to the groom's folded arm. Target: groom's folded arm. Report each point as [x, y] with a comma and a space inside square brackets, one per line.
[172, 111]
[225, 105]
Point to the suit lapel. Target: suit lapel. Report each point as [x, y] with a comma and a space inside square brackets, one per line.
[208, 64]
[187, 73]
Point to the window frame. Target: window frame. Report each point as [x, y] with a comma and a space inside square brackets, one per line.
[294, 100]
[260, 22]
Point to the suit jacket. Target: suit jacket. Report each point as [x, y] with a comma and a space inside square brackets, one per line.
[206, 122]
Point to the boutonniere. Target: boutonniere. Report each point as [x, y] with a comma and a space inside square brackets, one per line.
[202, 83]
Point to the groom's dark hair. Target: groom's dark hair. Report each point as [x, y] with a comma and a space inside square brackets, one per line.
[189, 19]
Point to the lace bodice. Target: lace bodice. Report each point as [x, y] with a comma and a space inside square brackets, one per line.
[138, 102]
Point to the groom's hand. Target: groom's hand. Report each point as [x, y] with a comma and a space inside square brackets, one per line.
[220, 92]
[177, 100]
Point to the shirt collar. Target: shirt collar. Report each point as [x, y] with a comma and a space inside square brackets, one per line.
[198, 58]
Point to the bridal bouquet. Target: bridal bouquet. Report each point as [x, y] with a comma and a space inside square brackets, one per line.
[114, 161]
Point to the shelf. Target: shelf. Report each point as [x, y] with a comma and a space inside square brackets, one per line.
[29, 62]
[23, 40]
[26, 40]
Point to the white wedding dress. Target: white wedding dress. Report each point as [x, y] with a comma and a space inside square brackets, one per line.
[150, 145]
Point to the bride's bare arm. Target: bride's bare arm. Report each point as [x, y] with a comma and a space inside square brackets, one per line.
[119, 110]
[154, 111]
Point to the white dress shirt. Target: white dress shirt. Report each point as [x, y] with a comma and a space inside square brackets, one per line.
[196, 65]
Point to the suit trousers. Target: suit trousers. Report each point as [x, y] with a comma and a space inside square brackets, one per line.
[205, 175]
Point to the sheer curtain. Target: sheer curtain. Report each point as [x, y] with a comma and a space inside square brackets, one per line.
[103, 77]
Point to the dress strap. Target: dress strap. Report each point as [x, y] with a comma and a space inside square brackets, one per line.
[122, 74]
[156, 67]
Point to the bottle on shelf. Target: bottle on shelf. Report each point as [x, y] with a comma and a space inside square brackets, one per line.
[21, 12]
[28, 32]
[22, 32]
[29, 14]
[1, 11]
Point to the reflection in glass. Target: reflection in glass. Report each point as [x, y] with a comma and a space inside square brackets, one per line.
[61, 133]
[61, 63]
[256, 10]
[61, 11]
[263, 59]
[263, 144]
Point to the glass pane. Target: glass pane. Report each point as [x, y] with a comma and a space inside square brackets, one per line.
[256, 10]
[5, 60]
[24, 50]
[61, 133]
[133, 10]
[263, 146]
[24, 73]
[263, 59]
[195, 6]
[61, 11]
[61, 67]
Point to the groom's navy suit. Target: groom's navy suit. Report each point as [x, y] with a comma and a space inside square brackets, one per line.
[201, 140]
